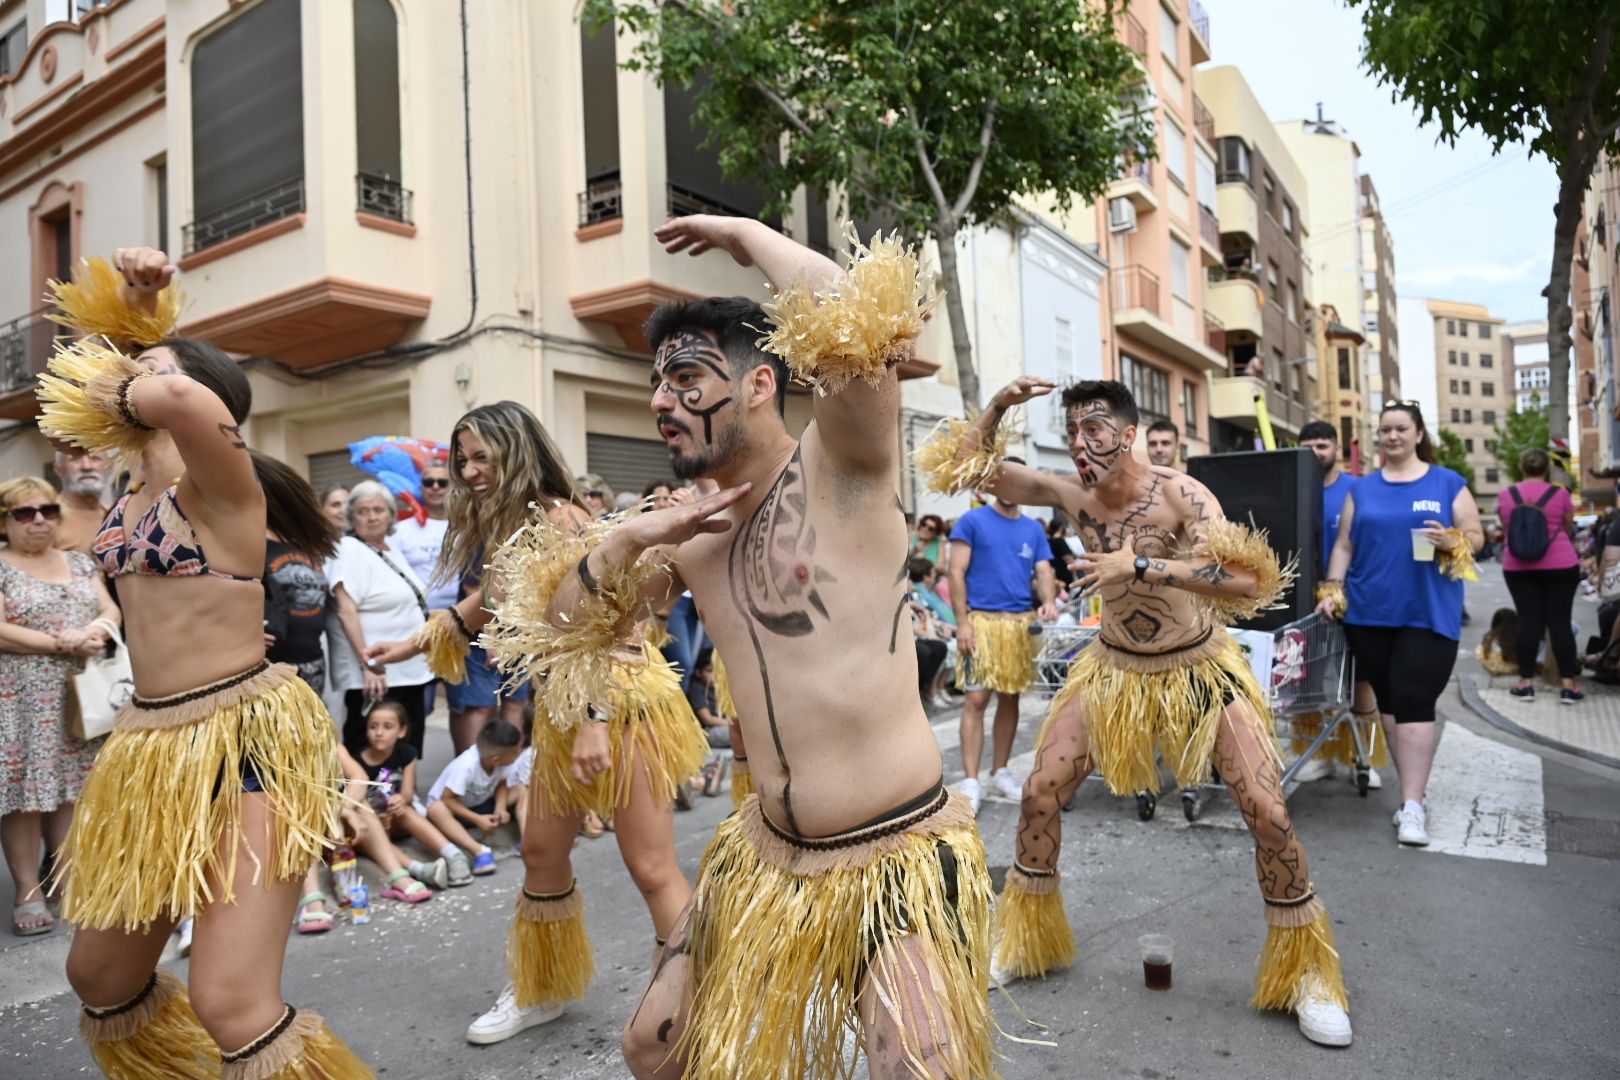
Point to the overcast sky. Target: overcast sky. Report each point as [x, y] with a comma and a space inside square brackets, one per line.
[1467, 226]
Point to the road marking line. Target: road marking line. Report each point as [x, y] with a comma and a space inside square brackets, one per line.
[1485, 800]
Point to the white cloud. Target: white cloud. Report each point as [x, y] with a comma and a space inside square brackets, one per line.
[1491, 273]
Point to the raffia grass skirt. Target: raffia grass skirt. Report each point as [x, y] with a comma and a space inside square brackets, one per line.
[652, 724]
[1003, 658]
[785, 931]
[156, 832]
[1170, 703]
[1341, 745]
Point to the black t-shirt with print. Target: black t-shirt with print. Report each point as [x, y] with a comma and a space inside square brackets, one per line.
[404, 753]
[295, 599]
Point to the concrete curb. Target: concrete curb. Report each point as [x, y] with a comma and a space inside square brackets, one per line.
[1470, 693]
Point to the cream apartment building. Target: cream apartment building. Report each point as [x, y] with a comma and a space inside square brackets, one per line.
[1380, 318]
[1473, 387]
[385, 234]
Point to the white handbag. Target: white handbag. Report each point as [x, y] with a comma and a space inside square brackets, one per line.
[103, 687]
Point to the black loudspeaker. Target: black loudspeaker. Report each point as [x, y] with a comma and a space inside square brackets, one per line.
[1279, 491]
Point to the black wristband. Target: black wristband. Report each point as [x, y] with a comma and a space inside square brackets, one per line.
[126, 408]
[461, 624]
[586, 578]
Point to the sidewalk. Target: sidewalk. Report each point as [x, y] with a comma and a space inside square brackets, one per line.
[1590, 730]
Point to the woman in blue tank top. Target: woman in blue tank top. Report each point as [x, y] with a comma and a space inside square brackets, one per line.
[1406, 541]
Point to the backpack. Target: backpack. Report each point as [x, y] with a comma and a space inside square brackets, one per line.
[1527, 533]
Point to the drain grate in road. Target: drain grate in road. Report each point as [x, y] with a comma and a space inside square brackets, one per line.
[1592, 837]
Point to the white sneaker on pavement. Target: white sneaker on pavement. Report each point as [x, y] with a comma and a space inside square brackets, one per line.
[506, 1019]
[1317, 768]
[970, 787]
[1005, 784]
[1374, 781]
[435, 873]
[1410, 826]
[1321, 1021]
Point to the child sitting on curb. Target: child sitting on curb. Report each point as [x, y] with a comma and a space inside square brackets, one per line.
[472, 790]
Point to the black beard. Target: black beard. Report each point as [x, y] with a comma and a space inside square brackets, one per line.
[699, 464]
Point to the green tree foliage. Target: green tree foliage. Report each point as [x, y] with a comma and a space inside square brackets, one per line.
[1451, 453]
[931, 114]
[1518, 432]
[1537, 72]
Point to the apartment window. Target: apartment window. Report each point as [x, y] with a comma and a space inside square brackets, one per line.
[1456, 416]
[1293, 301]
[1149, 386]
[376, 110]
[1347, 435]
[247, 124]
[696, 182]
[1175, 152]
[1451, 326]
[1488, 417]
[1063, 350]
[1468, 387]
[1484, 331]
[1288, 218]
[599, 78]
[1344, 370]
[1451, 357]
[158, 182]
[1488, 389]
[1468, 444]
[1180, 269]
[13, 44]
[1485, 359]
[1189, 410]
[1235, 162]
[1453, 386]
[1492, 476]
[1204, 173]
[1272, 292]
[1468, 416]
[1270, 188]
[1169, 37]
[1462, 329]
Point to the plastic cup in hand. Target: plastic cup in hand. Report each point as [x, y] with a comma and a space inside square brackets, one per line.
[1422, 546]
[1156, 956]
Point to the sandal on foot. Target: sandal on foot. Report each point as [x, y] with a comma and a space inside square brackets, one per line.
[591, 825]
[313, 922]
[37, 913]
[411, 892]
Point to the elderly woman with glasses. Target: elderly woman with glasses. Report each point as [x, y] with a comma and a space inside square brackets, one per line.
[54, 609]
[378, 597]
[928, 539]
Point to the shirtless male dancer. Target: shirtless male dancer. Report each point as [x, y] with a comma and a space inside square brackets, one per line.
[1163, 672]
[851, 894]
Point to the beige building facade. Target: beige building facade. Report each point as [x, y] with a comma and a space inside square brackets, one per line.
[385, 235]
[1473, 386]
[1380, 317]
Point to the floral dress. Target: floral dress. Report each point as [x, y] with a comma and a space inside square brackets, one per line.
[41, 765]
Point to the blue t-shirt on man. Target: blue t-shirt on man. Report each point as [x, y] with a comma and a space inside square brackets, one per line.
[1005, 551]
[1333, 496]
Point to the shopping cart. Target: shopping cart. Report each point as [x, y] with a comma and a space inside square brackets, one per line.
[1310, 693]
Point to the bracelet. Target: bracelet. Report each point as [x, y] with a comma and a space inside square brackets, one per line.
[126, 407]
[461, 624]
[587, 578]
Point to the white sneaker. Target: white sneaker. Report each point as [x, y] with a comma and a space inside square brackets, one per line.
[184, 930]
[1322, 1021]
[1317, 768]
[970, 787]
[1005, 784]
[507, 1018]
[1374, 781]
[1000, 976]
[1410, 829]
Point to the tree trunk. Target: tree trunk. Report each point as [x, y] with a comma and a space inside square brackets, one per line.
[1571, 191]
[967, 376]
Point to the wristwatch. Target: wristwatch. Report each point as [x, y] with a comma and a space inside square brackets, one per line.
[1142, 565]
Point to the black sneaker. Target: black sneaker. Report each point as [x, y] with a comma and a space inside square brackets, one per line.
[1527, 693]
[1570, 697]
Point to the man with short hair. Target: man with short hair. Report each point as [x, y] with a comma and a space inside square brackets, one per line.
[419, 540]
[996, 553]
[1322, 439]
[1163, 443]
[1162, 679]
[852, 893]
[84, 478]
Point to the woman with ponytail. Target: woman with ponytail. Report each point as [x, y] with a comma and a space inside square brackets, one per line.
[219, 785]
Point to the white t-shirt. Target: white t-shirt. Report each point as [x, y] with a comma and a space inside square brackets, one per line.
[388, 612]
[420, 542]
[465, 776]
[521, 769]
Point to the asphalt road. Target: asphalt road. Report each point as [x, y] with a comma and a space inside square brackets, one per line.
[1489, 955]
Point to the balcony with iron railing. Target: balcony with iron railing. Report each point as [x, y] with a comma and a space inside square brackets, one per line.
[1136, 287]
[1133, 33]
[382, 196]
[1137, 185]
[275, 203]
[1209, 235]
[602, 200]
[1203, 120]
[25, 345]
[1214, 333]
[1199, 19]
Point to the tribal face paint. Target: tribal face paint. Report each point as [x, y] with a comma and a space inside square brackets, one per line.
[1096, 441]
[691, 385]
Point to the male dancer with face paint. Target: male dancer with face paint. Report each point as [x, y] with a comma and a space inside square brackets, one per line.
[851, 893]
[1163, 674]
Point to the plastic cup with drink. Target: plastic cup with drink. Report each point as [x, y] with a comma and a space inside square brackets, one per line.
[1422, 546]
[1157, 954]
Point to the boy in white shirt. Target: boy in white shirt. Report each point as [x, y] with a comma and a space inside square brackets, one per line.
[472, 790]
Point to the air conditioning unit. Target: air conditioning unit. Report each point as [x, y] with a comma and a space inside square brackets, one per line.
[1121, 216]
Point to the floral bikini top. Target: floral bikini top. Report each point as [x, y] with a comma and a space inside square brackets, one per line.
[163, 544]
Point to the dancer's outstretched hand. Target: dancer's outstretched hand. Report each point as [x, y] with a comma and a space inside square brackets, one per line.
[145, 270]
[698, 233]
[1023, 389]
[678, 524]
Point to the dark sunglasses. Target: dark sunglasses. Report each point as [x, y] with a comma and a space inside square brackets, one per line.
[436, 483]
[24, 514]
